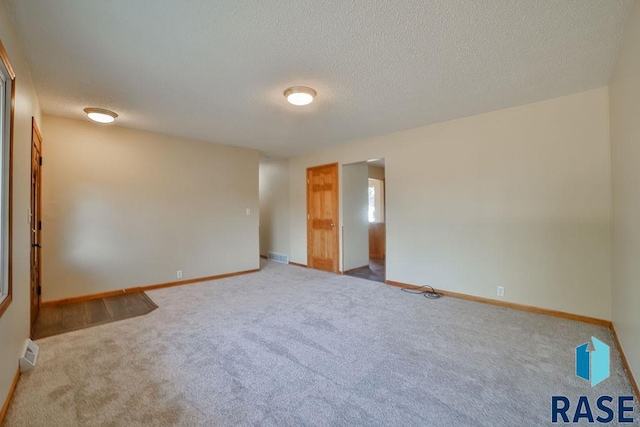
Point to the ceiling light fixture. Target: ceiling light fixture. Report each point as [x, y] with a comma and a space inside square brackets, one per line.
[300, 95]
[101, 115]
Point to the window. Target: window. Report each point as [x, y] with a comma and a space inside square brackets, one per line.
[376, 200]
[7, 86]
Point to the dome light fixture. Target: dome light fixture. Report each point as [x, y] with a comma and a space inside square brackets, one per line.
[100, 115]
[300, 95]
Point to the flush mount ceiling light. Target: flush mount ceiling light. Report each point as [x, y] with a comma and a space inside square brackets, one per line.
[101, 115]
[300, 95]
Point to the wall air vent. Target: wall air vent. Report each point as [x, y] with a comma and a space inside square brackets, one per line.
[278, 257]
[29, 356]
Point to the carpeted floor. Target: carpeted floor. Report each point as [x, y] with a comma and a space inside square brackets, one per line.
[291, 346]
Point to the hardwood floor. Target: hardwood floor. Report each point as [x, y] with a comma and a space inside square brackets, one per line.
[58, 319]
[375, 271]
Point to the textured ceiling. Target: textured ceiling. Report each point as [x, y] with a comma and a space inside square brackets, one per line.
[216, 70]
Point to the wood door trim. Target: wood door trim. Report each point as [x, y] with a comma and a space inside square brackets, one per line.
[4, 57]
[82, 298]
[34, 127]
[36, 141]
[336, 198]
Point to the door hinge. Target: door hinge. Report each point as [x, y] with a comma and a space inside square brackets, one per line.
[40, 160]
[39, 225]
[39, 290]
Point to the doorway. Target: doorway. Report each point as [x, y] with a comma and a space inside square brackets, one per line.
[322, 218]
[36, 221]
[364, 219]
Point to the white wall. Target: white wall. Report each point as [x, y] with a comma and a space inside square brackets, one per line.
[274, 206]
[625, 144]
[518, 198]
[125, 208]
[355, 223]
[14, 323]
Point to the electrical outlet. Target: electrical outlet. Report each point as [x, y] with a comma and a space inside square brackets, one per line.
[179, 274]
[500, 291]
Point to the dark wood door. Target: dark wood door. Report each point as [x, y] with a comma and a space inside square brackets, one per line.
[36, 221]
[322, 217]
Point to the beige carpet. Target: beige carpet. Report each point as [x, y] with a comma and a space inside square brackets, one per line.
[291, 346]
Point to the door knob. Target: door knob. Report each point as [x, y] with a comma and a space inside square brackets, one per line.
[332, 224]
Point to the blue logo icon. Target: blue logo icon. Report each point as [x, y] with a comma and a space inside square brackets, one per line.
[593, 364]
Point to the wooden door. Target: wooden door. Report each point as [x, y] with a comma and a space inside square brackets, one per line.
[377, 235]
[36, 221]
[322, 218]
